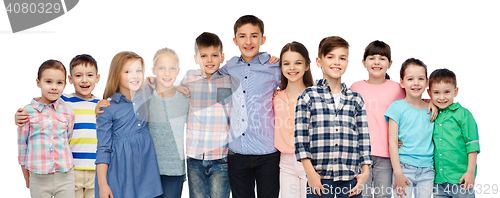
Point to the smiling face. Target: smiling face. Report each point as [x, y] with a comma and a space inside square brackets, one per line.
[249, 38]
[166, 71]
[209, 59]
[442, 94]
[52, 83]
[131, 77]
[293, 66]
[414, 81]
[334, 63]
[377, 65]
[84, 78]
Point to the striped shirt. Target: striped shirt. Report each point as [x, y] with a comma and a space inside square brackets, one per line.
[83, 143]
[335, 140]
[209, 113]
[44, 143]
[252, 119]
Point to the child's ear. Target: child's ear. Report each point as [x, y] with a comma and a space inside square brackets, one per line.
[263, 40]
[456, 92]
[153, 70]
[70, 80]
[97, 78]
[235, 42]
[195, 59]
[401, 83]
[390, 63]
[429, 92]
[318, 62]
[364, 63]
[222, 58]
[38, 83]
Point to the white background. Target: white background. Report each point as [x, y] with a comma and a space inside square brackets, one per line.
[461, 36]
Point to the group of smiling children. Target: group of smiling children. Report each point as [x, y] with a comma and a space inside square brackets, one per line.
[304, 139]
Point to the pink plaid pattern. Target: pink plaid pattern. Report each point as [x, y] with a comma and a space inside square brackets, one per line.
[209, 113]
[44, 142]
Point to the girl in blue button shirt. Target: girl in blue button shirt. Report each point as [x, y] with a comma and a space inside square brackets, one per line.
[126, 161]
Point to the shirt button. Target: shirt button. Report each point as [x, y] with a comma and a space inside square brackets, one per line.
[243, 120]
[244, 91]
[336, 129]
[246, 77]
[138, 124]
[440, 154]
[331, 101]
[335, 159]
[248, 64]
[133, 103]
[440, 124]
[336, 144]
[137, 114]
[440, 169]
[243, 106]
[243, 134]
[440, 139]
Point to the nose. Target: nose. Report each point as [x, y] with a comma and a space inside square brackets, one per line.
[247, 40]
[210, 59]
[336, 61]
[377, 61]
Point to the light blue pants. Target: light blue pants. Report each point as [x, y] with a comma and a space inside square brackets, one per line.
[379, 183]
[421, 181]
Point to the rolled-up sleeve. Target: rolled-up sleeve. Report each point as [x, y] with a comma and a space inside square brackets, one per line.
[470, 132]
[363, 134]
[22, 140]
[302, 117]
[104, 131]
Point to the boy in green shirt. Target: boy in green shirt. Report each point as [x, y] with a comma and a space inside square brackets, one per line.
[456, 140]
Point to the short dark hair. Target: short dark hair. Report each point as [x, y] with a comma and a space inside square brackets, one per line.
[82, 59]
[249, 19]
[444, 76]
[329, 43]
[380, 48]
[51, 64]
[302, 50]
[411, 61]
[207, 39]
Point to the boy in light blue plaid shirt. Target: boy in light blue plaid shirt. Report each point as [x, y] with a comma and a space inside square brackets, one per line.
[331, 128]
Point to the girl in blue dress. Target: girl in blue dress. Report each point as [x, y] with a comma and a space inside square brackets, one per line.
[126, 161]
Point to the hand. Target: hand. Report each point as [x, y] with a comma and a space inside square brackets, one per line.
[21, 118]
[314, 181]
[431, 106]
[468, 180]
[359, 186]
[273, 59]
[105, 192]
[101, 103]
[400, 144]
[151, 80]
[400, 184]
[183, 90]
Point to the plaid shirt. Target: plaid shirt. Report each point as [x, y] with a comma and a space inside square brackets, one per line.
[336, 140]
[44, 142]
[209, 113]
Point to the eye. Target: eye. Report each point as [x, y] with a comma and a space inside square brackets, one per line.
[78, 75]
[60, 82]
[370, 58]
[173, 68]
[216, 55]
[410, 79]
[343, 59]
[329, 57]
[139, 71]
[447, 92]
[48, 81]
[90, 75]
[286, 63]
[421, 79]
[436, 92]
[242, 36]
[203, 56]
[161, 68]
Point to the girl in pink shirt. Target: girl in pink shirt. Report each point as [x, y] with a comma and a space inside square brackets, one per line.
[295, 78]
[378, 92]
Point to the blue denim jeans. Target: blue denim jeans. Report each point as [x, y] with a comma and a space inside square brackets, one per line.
[208, 178]
[338, 189]
[421, 181]
[447, 190]
[172, 186]
[247, 170]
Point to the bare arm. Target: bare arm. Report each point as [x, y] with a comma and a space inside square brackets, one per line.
[104, 190]
[26, 175]
[468, 178]
[313, 178]
[400, 181]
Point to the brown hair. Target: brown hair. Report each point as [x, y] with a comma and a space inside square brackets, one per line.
[119, 60]
[207, 39]
[442, 75]
[380, 48]
[329, 43]
[249, 19]
[51, 64]
[411, 61]
[82, 59]
[302, 50]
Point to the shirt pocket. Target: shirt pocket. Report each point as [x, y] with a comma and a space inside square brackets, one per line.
[223, 95]
[62, 124]
[37, 126]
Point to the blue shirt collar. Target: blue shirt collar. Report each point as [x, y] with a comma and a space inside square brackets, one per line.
[263, 57]
[214, 75]
[323, 83]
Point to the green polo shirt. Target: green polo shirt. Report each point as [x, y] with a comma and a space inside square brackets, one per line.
[455, 135]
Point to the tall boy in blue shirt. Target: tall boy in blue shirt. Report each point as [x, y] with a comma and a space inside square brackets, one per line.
[252, 157]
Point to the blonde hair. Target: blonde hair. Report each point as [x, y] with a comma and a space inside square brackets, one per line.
[165, 51]
[119, 60]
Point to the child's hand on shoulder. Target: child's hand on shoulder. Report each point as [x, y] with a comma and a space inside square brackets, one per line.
[101, 103]
[183, 90]
[431, 108]
[21, 117]
[400, 183]
[468, 180]
[273, 59]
